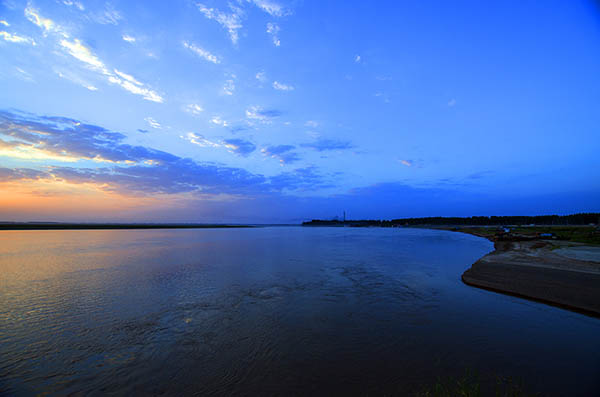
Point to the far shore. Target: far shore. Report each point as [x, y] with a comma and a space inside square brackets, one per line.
[111, 226]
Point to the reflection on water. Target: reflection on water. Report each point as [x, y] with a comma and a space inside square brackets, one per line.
[280, 310]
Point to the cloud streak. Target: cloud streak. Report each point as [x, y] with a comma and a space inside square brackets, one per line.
[237, 146]
[194, 108]
[109, 16]
[71, 140]
[136, 170]
[322, 145]
[219, 121]
[153, 123]
[283, 153]
[47, 25]
[270, 7]
[74, 78]
[15, 38]
[273, 29]
[265, 116]
[229, 87]
[282, 87]
[202, 53]
[200, 140]
[230, 21]
[76, 4]
[75, 48]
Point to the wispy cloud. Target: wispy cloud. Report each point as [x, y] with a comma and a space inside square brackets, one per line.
[261, 76]
[127, 77]
[131, 170]
[108, 16]
[153, 123]
[69, 140]
[76, 4]
[7, 174]
[202, 53]
[311, 123]
[229, 86]
[382, 95]
[200, 140]
[15, 38]
[270, 7]
[128, 38]
[3, 22]
[74, 78]
[48, 26]
[241, 147]
[194, 108]
[230, 21]
[357, 58]
[81, 52]
[322, 145]
[135, 87]
[219, 121]
[284, 153]
[412, 163]
[282, 87]
[262, 115]
[24, 75]
[273, 29]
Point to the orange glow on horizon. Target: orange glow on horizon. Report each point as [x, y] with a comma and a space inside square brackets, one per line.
[59, 199]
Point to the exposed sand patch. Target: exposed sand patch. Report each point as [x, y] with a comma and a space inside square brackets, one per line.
[568, 276]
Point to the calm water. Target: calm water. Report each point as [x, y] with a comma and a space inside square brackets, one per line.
[280, 310]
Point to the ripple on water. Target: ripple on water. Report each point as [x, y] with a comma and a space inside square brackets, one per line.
[271, 311]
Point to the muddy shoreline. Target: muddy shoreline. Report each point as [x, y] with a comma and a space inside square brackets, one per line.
[559, 273]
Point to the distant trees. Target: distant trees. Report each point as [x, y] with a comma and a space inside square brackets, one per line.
[575, 219]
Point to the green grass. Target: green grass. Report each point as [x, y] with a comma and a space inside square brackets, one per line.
[480, 231]
[575, 234]
[469, 386]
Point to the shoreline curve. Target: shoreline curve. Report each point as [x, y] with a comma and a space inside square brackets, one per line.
[533, 270]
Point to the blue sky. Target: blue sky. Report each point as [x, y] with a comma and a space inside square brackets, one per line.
[278, 111]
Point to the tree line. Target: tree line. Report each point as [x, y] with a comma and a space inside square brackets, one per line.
[574, 219]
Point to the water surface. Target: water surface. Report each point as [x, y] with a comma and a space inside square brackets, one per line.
[278, 310]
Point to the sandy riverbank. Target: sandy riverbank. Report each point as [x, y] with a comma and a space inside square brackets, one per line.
[564, 274]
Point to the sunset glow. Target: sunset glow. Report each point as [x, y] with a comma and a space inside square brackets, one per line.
[260, 111]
